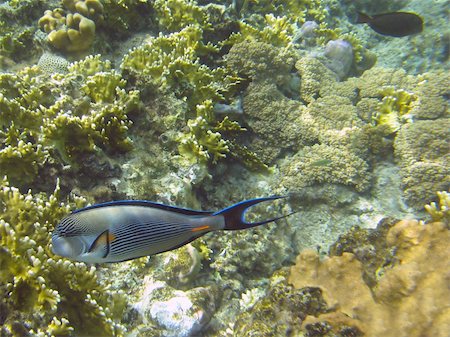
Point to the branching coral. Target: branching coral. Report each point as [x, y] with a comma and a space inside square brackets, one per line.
[172, 63]
[206, 140]
[41, 116]
[394, 109]
[174, 15]
[410, 297]
[441, 210]
[44, 294]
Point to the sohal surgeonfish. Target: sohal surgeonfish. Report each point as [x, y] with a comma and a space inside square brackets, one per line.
[397, 24]
[124, 230]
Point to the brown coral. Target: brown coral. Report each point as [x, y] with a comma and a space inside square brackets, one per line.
[409, 299]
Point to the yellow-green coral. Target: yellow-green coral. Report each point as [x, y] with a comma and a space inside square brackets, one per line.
[394, 108]
[92, 9]
[278, 21]
[202, 143]
[207, 141]
[83, 111]
[440, 211]
[44, 294]
[173, 15]
[172, 63]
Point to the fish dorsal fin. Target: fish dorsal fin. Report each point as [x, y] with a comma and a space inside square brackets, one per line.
[101, 244]
[145, 203]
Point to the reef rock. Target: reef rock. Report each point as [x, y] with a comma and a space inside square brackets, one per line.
[175, 313]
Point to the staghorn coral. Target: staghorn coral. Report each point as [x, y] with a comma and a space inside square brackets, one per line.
[17, 29]
[201, 143]
[44, 294]
[409, 297]
[275, 22]
[42, 120]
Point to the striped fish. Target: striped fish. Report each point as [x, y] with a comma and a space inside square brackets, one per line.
[123, 230]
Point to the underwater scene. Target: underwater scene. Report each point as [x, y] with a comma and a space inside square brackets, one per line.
[238, 168]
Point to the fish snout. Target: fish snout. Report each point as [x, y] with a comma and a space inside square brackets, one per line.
[66, 246]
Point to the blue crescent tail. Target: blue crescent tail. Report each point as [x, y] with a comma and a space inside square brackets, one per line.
[234, 215]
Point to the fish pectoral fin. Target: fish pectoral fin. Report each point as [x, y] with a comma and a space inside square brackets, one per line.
[100, 246]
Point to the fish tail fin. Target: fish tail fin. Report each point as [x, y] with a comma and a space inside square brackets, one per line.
[363, 18]
[234, 215]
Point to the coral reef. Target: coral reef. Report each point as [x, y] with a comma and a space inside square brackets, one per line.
[43, 121]
[17, 29]
[281, 309]
[172, 63]
[43, 294]
[395, 305]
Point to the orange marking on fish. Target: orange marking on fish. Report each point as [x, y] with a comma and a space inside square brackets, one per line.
[198, 229]
[111, 237]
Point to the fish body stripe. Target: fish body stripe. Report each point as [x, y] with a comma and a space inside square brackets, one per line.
[149, 237]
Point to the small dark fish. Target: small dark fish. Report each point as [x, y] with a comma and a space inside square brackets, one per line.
[124, 230]
[396, 24]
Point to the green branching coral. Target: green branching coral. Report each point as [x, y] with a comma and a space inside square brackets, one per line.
[440, 212]
[276, 22]
[44, 294]
[208, 140]
[395, 107]
[172, 63]
[122, 17]
[173, 15]
[61, 116]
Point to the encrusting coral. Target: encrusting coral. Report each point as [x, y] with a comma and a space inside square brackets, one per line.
[422, 149]
[45, 295]
[410, 294]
